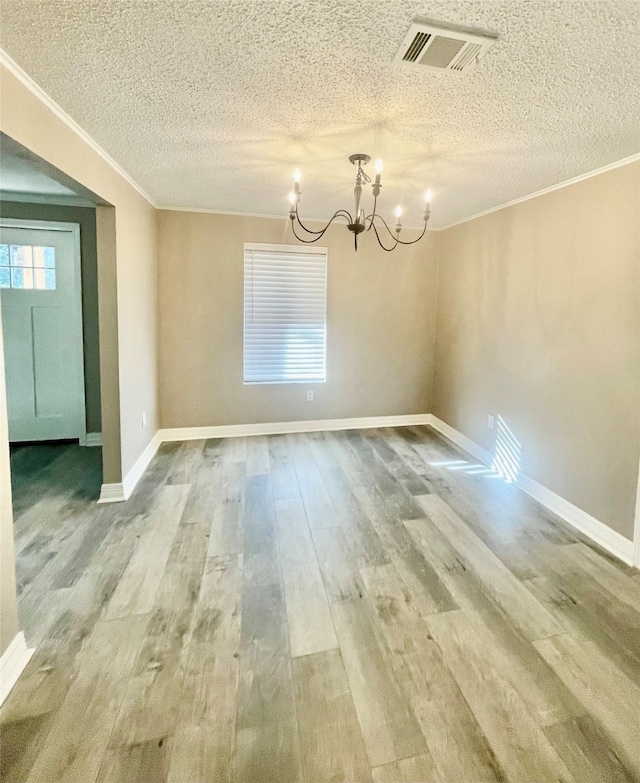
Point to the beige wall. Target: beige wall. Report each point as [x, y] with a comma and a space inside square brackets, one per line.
[380, 326]
[27, 120]
[86, 218]
[539, 321]
[8, 603]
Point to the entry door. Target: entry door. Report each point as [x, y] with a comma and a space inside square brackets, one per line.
[42, 327]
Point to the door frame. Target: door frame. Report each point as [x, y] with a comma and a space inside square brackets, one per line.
[74, 229]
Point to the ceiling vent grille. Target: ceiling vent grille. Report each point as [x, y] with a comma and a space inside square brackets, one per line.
[427, 45]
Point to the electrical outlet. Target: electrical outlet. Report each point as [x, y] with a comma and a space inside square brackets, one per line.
[490, 421]
[144, 418]
[310, 396]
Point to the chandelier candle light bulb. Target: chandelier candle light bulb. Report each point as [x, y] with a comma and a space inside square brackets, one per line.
[378, 170]
[360, 221]
[427, 205]
[297, 176]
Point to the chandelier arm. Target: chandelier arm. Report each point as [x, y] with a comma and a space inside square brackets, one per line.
[413, 241]
[373, 214]
[388, 249]
[318, 234]
[401, 241]
[336, 214]
[300, 239]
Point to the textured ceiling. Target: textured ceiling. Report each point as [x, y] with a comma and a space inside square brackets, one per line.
[213, 104]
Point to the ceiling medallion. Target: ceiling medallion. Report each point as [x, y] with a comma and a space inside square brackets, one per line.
[359, 222]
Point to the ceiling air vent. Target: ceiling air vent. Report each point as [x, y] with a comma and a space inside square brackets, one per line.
[427, 45]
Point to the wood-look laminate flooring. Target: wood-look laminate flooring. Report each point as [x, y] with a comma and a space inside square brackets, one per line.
[352, 606]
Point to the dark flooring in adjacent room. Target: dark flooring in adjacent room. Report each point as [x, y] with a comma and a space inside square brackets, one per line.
[348, 606]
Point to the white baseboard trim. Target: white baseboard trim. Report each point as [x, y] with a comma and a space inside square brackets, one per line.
[12, 663]
[91, 439]
[470, 446]
[602, 534]
[111, 493]
[286, 427]
[117, 493]
[140, 465]
[596, 530]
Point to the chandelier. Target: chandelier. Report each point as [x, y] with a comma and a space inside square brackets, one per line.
[359, 222]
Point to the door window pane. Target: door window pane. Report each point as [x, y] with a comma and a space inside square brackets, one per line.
[17, 278]
[21, 255]
[28, 266]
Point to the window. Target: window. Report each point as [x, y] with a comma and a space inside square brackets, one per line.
[27, 266]
[285, 297]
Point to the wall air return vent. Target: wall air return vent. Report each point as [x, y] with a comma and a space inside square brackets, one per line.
[427, 45]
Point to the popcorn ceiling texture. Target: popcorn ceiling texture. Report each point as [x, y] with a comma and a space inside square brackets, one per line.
[213, 104]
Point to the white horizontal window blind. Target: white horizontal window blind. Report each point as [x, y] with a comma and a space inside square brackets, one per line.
[285, 298]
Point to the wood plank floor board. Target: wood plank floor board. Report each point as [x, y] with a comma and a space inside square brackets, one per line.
[182, 635]
[267, 746]
[92, 703]
[58, 538]
[455, 741]
[283, 473]
[586, 753]
[304, 591]
[70, 471]
[228, 491]
[320, 443]
[388, 725]
[478, 500]
[427, 589]
[573, 600]
[261, 564]
[331, 743]
[154, 694]
[511, 510]
[548, 700]
[611, 578]
[154, 478]
[361, 463]
[528, 615]
[187, 462]
[204, 738]
[397, 440]
[610, 697]
[258, 456]
[520, 745]
[136, 591]
[363, 540]
[317, 503]
[341, 577]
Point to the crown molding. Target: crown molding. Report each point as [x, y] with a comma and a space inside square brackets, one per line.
[12, 66]
[207, 211]
[609, 167]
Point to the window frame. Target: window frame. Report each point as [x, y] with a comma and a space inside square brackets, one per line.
[298, 250]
